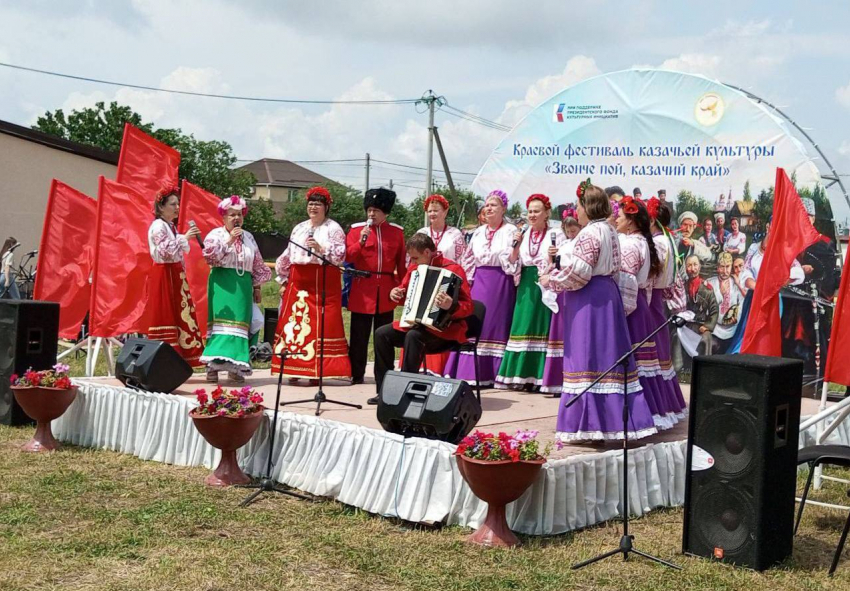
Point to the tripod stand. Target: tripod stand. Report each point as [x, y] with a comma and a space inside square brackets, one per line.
[266, 483]
[626, 546]
[319, 398]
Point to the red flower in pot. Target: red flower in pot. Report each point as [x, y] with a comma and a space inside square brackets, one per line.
[498, 469]
[44, 396]
[227, 420]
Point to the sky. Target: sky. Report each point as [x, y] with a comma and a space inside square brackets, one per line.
[495, 58]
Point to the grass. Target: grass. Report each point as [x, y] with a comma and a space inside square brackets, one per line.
[86, 519]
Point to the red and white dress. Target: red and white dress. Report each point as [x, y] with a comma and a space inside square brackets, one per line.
[450, 241]
[171, 312]
[299, 325]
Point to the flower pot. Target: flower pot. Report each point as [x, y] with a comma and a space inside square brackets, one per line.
[497, 484]
[43, 405]
[227, 434]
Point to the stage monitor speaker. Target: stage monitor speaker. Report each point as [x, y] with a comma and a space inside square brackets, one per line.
[29, 336]
[152, 366]
[270, 325]
[742, 459]
[418, 405]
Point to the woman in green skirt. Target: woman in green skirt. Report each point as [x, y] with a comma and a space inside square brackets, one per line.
[237, 272]
[525, 354]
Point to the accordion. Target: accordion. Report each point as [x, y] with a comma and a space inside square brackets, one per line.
[420, 304]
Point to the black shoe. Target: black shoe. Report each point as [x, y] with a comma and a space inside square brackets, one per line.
[355, 381]
[373, 400]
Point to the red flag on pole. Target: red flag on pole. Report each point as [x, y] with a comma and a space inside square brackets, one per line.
[791, 233]
[122, 261]
[66, 254]
[146, 165]
[200, 207]
[837, 368]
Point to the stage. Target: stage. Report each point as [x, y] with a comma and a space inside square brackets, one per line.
[345, 455]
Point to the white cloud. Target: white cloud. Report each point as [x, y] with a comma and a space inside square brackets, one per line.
[694, 63]
[842, 95]
[844, 148]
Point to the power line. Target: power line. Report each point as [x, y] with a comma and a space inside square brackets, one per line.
[418, 167]
[211, 95]
[449, 110]
[360, 162]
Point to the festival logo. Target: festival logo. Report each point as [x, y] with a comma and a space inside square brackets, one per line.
[559, 112]
[709, 109]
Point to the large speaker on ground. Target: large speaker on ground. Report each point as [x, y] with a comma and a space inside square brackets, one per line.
[29, 336]
[153, 366]
[417, 405]
[742, 459]
[269, 325]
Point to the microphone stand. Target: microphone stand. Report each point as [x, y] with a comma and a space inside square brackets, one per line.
[319, 398]
[267, 483]
[626, 546]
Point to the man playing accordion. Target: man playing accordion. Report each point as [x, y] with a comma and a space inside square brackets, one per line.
[419, 340]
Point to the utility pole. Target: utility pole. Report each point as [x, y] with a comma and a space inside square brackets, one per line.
[432, 101]
[367, 173]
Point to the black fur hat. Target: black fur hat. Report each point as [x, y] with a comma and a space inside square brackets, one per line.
[382, 198]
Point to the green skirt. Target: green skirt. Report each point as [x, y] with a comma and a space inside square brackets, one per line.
[230, 303]
[525, 353]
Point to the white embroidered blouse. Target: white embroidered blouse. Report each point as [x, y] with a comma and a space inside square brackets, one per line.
[165, 244]
[634, 278]
[450, 242]
[489, 250]
[243, 255]
[328, 234]
[536, 254]
[595, 251]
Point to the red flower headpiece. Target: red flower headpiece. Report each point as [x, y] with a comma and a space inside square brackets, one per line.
[570, 212]
[652, 206]
[160, 196]
[582, 187]
[539, 197]
[439, 199]
[629, 205]
[320, 192]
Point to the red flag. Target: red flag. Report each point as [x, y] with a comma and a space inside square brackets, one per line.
[791, 233]
[66, 254]
[146, 165]
[122, 261]
[837, 368]
[200, 207]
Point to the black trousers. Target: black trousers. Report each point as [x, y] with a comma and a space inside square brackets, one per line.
[416, 342]
[358, 345]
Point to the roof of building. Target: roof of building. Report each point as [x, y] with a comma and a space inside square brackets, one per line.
[283, 173]
[745, 207]
[57, 143]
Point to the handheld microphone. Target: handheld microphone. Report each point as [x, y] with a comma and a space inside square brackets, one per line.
[192, 225]
[555, 259]
[238, 238]
[309, 237]
[516, 242]
[369, 224]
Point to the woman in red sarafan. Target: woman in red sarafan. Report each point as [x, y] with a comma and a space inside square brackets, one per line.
[171, 312]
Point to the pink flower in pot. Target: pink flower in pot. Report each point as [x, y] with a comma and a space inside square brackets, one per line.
[44, 396]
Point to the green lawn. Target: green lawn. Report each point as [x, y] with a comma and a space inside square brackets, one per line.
[85, 519]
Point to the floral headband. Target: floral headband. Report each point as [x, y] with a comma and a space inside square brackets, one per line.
[582, 187]
[165, 193]
[541, 198]
[439, 199]
[321, 192]
[652, 206]
[615, 208]
[570, 212]
[501, 195]
[232, 202]
[629, 205]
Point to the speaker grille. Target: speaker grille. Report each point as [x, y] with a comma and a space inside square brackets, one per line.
[729, 435]
[723, 516]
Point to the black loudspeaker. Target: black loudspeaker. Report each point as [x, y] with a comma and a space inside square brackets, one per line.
[417, 405]
[269, 325]
[29, 336]
[153, 366]
[742, 459]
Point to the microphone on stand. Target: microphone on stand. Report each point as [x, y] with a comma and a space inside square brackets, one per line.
[310, 237]
[369, 224]
[192, 225]
[555, 259]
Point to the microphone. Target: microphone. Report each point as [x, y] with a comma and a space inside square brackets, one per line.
[515, 243]
[310, 237]
[555, 259]
[369, 224]
[192, 225]
[238, 238]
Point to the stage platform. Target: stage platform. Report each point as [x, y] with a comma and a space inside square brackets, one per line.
[344, 454]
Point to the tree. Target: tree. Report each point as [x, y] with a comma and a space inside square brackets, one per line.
[763, 208]
[208, 164]
[747, 195]
[687, 201]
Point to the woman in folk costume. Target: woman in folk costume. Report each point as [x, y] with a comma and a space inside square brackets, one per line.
[451, 244]
[668, 290]
[493, 279]
[596, 334]
[237, 272]
[639, 267]
[553, 368]
[525, 353]
[299, 326]
[171, 312]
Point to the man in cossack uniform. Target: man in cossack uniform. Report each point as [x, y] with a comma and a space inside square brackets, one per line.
[378, 247]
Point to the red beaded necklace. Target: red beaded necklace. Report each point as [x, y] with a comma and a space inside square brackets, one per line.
[532, 242]
[438, 237]
[492, 235]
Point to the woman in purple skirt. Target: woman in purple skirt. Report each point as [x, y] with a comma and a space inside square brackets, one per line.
[639, 267]
[595, 332]
[488, 269]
